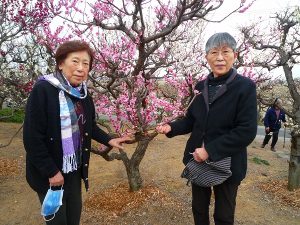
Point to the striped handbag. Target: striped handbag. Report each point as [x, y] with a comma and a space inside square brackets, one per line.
[207, 174]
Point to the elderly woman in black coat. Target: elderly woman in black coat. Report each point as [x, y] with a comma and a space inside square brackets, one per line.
[222, 121]
[58, 128]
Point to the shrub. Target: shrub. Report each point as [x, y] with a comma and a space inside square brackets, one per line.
[12, 115]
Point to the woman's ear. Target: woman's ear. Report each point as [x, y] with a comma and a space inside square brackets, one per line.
[60, 65]
[235, 55]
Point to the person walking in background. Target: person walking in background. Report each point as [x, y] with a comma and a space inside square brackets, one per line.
[58, 127]
[222, 121]
[272, 122]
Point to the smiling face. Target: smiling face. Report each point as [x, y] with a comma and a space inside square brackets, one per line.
[221, 60]
[76, 67]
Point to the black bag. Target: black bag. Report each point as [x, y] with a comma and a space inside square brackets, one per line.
[207, 174]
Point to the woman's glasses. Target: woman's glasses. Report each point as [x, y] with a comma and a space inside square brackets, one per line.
[224, 52]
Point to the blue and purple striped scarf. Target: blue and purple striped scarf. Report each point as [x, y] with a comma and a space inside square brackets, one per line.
[70, 133]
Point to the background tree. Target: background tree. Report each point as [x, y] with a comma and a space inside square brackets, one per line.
[279, 47]
[18, 50]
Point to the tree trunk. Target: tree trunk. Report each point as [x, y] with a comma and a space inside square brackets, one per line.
[132, 166]
[1, 102]
[294, 164]
[135, 180]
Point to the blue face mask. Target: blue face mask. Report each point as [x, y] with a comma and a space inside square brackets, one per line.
[52, 202]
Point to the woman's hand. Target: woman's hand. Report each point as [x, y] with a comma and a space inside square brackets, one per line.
[57, 180]
[163, 129]
[200, 154]
[117, 142]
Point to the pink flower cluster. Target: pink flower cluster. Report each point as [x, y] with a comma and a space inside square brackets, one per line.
[120, 53]
[52, 39]
[102, 10]
[154, 107]
[26, 14]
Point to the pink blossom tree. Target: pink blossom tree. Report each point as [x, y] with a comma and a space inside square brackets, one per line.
[139, 80]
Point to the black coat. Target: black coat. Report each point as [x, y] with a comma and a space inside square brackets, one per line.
[225, 127]
[42, 136]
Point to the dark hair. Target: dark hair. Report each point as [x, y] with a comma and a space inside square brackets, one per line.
[277, 101]
[72, 46]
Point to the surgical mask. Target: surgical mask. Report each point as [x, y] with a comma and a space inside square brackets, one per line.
[52, 202]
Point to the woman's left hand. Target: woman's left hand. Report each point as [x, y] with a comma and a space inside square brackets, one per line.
[117, 142]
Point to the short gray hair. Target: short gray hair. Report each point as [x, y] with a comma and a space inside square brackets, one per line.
[219, 39]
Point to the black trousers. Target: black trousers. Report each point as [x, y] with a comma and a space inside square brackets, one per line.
[274, 138]
[70, 211]
[225, 202]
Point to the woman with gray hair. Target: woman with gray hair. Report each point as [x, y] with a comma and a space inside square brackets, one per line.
[222, 121]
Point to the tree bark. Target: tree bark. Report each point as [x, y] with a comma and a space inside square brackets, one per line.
[294, 163]
[1, 103]
[135, 180]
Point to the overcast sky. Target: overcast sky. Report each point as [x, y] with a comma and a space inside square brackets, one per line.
[260, 10]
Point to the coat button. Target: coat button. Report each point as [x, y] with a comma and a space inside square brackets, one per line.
[86, 165]
[86, 149]
[86, 134]
[86, 178]
[51, 139]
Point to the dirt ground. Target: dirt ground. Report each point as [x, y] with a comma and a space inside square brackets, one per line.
[262, 197]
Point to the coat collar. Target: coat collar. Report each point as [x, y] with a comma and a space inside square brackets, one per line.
[222, 89]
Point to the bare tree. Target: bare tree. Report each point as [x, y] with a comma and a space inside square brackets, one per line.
[280, 48]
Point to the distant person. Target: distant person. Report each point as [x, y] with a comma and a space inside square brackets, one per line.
[58, 128]
[272, 122]
[222, 121]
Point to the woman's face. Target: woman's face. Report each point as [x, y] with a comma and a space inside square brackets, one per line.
[76, 67]
[221, 60]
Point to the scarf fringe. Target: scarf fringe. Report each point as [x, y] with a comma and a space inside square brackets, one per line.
[69, 163]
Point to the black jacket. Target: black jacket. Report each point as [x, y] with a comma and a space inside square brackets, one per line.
[225, 127]
[42, 136]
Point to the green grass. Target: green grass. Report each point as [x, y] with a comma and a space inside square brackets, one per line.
[7, 115]
[260, 161]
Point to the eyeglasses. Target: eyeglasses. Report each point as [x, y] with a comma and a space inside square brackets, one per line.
[215, 53]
